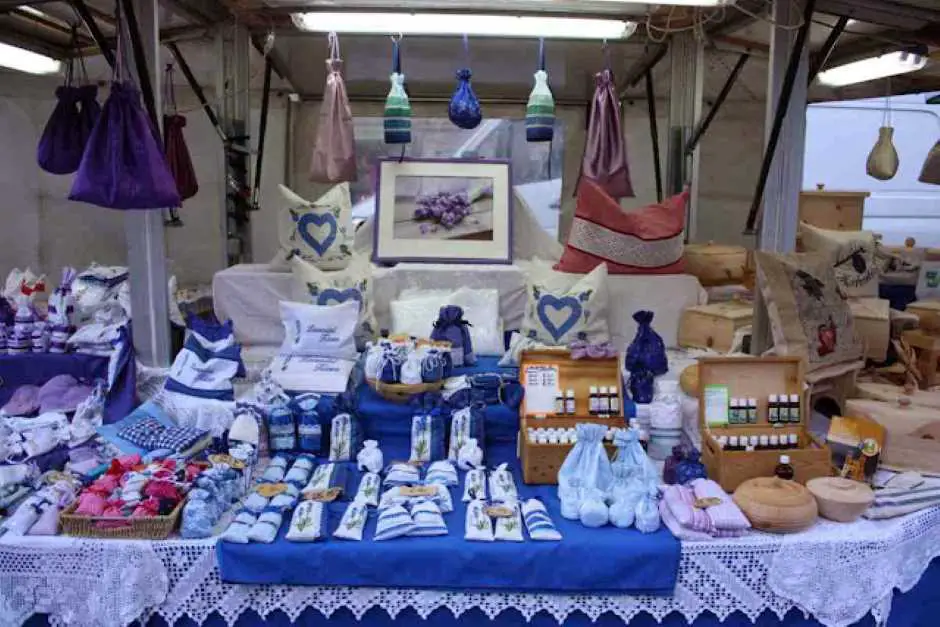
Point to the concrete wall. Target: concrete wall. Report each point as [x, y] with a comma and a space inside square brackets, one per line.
[41, 228]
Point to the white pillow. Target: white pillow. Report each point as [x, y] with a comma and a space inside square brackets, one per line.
[562, 307]
[319, 231]
[319, 331]
[415, 315]
[312, 285]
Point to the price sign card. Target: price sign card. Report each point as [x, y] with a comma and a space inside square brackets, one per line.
[541, 388]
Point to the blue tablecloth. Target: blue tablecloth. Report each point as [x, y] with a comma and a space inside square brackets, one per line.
[595, 560]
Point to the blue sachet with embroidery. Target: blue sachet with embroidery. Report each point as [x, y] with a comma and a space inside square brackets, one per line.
[309, 429]
[282, 436]
[464, 109]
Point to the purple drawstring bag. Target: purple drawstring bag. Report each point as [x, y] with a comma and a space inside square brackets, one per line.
[123, 166]
[605, 149]
[68, 128]
[451, 327]
[174, 143]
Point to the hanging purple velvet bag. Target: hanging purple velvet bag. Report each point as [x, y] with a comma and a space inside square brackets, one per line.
[334, 152]
[177, 152]
[68, 128]
[451, 327]
[123, 166]
[605, 149]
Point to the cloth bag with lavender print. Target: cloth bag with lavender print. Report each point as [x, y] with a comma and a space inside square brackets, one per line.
[428, 430]
[451, 327]
[61, 309]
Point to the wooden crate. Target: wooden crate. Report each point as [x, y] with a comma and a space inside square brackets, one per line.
[540, 462]
[758, 377]
[713, 326]
[927, 311]
[873, 324]
[715, 264]
[912, 433]
[927, 347]
[836, 210]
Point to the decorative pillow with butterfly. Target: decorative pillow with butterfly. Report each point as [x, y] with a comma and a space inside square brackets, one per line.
[320, 232]
[809, 314]
[853, 254]
[562, 308]
[312, 285]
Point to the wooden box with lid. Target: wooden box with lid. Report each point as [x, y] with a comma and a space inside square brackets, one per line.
[836, 210]
[757, 378]
[541, 461]
[716, 264]
[713, 326]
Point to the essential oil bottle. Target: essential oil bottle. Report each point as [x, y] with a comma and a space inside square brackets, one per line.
[593, 403]
[613, 400]
[569, 403]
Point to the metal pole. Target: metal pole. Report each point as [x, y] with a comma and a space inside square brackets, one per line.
[83, 12]
[262, 131]
[702, 127]
[654, 134]
[144, 231]
[819, 63]
[197, 88]
[687, 72]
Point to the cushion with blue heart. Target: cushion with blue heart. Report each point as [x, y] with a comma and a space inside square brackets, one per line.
[562, 308]
[319, 231]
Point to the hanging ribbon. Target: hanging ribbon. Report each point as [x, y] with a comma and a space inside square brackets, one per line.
[397, 116]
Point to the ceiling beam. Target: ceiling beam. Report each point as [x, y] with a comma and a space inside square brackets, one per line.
[28, 42]
[884, 12]
[204, 12]
[278, 64]
[736, 19]
[653, 55]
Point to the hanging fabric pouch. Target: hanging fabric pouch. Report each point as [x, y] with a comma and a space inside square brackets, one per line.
[334, 151]
[930, 173]
[397, 122]
[605, 149]
[883, 161]
[540, 110]
[464, 109]
[123, 166]
[177, 152]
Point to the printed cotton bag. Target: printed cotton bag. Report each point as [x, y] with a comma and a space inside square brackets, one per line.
[427, 436]
[586, 466]
[353, 522]
[538, 522]
[308, 524]
[334, 151]
[345, 438]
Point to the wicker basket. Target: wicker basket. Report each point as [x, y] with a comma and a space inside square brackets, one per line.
[401, 393]
[149, 528]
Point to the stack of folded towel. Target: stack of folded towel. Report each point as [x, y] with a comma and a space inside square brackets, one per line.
[687, 512]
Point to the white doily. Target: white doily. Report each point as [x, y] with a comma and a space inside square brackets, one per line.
[79, 583]
[837, 573]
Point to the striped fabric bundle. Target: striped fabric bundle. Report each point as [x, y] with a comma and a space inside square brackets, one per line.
[394, 522]
[538, 522]
[890, 503]
[540, 110]
[397, 120]
[428, 520]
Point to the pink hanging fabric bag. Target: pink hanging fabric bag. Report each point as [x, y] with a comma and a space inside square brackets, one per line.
[334, 152]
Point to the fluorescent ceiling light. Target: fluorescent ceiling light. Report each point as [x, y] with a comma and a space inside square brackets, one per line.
[31, 10]
[890, 64]
[677, 3]
[27, 61]
[461, 24]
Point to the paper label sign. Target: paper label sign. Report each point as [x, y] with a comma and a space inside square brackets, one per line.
[541, 389]
[716, 405]
[419, 490]
[227, 460]
[499, 511]
[325, 496]
[267, 490]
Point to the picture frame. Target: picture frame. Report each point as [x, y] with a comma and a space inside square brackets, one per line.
[443, 211]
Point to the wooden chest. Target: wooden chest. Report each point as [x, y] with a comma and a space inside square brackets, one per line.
[836, 210]
[927, 311]
[912, 434]
[927, 348]
[758, 377]
[713, 326]
[873, 324]
[715, 264]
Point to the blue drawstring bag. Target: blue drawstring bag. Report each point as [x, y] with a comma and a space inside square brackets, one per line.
[282, 436]
[390, 367]
[641, 386]
[451, 327]
[647, 351]
[309, 429]
[690, 468]
[464, 109]
[432, 366]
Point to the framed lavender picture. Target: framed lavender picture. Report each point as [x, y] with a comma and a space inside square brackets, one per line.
[443, 210]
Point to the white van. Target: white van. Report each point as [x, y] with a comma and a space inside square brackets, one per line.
[839, 137]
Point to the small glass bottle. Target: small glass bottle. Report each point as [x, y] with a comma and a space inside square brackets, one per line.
[603, 403]
[784, 470]
[764, 443]
[723, 442]
[592, 400]
[752, 411]
[795, 408]
[773, 409]
[775, 442]
[794, 440]
[734, 411]
[560, 403]
[569, 403]
[613, 400]
[754, 442]
[733, 443]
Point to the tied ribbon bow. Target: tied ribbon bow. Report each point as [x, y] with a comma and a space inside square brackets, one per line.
[581, 349]
[451, 315]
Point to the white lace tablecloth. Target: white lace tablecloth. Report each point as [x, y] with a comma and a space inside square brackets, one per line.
[838, 573]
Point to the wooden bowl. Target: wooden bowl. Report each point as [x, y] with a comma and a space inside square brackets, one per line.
[841, 500]
[401, 393]
[776, 505]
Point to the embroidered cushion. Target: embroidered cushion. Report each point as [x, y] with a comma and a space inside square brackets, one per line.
[312, 285]
[563, 308]
[320, 232]
[320, 331]
[809, 315]
[853, 257]
[648, 240]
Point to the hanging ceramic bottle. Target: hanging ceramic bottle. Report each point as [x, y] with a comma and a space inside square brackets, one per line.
[883, 159]
[540, 110]
[605, 149]
[397, 120]
[464, 109]
[334, 153]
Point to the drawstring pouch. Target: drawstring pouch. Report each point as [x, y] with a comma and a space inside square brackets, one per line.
[397, 121]
[464, 109]
[334, 151]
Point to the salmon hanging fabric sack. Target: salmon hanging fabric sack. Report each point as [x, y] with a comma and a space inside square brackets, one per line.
[334, 152]
[123, 166]
[605, 150]
[177, 152]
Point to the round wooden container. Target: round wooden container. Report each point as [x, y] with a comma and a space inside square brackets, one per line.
[776, 505]
[716, 264]
[841, 500]
[401, 393]
[688, 380]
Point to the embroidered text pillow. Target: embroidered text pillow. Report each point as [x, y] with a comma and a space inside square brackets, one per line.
[648, 240]
[320, 232]
[809, 315]
[320, 331]
[562, 308]
[314, 286]
[853, 257]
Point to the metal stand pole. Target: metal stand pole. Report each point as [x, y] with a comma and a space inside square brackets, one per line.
[687, 71]
[146, 247]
